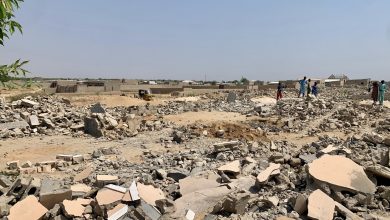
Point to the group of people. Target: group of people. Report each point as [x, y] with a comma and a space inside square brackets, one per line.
[378, 92]
[305, 86]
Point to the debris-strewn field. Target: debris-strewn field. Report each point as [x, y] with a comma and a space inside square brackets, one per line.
[233, 155]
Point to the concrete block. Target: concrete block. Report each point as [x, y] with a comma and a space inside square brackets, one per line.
[52, 192]
[19, 187]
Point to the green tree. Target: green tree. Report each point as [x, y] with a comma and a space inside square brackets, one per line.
[244, 80]
[8, 26]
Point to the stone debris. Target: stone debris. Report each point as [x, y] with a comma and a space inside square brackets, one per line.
[263, 177]
[117, 212]
[341, 172]
[233, 167]
[150, 194]
[28, 208]
[320, 206]
[324, 158]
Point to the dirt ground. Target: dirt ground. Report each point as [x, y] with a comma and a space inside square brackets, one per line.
[45, 148]
[205, 117]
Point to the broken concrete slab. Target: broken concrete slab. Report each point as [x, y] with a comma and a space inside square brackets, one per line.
[13, 125]
[80, 188]
[102, 180]
[192, 184]
[235, 203]
[226, 146]
[379, 170]
[28, 103]
[82, 175]
[107, 196]
[28, 208]
[116, 188]
[117, 212]
[232, 167]
[320, 206]
[341, 172]
[149, 193]
[200, 201]
[133, 190]
[33, 119]
[150, 211]
[267, 173]
[52, 192]
[331, 148]
[75, 208]
[346, 212]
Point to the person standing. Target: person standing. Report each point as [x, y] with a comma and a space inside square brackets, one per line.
[314, 89]
[382, 89]
[308, 87]
[279, 93]
[374, 92]
[302, 87]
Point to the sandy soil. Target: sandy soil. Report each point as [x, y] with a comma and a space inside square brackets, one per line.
[38, 149]
[205, 117]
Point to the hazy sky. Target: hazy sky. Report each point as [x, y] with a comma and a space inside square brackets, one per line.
[224, 39]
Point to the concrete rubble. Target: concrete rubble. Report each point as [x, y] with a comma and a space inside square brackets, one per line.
[325, 158]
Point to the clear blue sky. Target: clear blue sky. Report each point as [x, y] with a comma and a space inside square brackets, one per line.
[225, 39]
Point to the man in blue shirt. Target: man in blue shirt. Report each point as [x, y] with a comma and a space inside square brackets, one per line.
[382, 89]
[302, 87]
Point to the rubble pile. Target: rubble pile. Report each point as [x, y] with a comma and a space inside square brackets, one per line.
[352, 117]
[252, 180]
[333, 161]
[52, 115]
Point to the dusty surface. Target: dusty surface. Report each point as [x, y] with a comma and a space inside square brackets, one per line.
[205, 117]
[38, 149]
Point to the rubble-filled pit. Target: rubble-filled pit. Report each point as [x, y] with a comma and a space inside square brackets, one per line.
[225, 155]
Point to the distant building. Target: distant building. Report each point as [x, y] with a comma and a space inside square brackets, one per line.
[338, 76]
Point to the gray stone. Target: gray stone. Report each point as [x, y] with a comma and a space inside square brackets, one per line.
[97, 108]
[13, 125]
[232, 96]
[150, 211]
[308, 158]
[33, 119]
[236, 203]
[52, 192]
[178, 174]
[166, 206]
[48, 123]
[29, 103]
[92, 127]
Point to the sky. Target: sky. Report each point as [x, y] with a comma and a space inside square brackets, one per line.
[216, 40]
